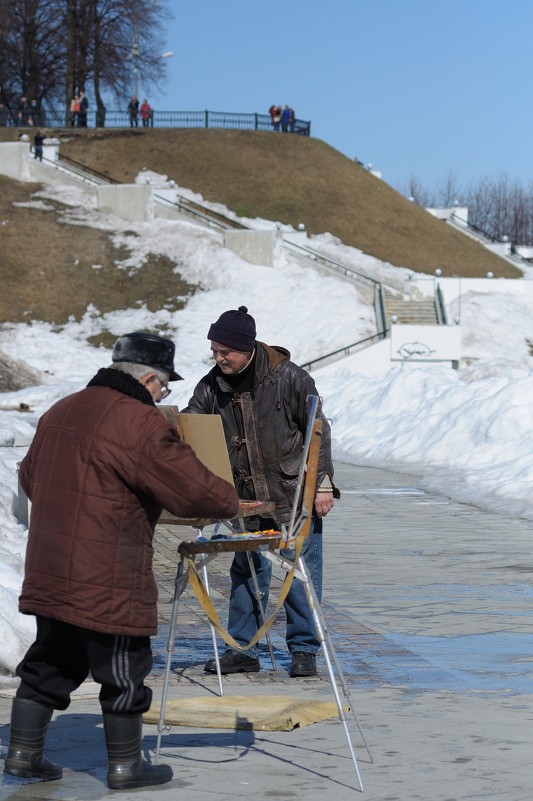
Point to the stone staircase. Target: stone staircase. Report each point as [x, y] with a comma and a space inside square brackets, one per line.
[413, 312]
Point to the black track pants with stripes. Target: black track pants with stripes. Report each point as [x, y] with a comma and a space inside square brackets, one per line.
[63, 656]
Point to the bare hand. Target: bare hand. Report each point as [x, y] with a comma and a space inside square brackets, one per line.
[323, 503]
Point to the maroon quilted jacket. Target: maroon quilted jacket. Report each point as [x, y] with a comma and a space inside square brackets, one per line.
[101, 466]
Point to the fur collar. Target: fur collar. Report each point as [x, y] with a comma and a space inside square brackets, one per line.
[122, 382]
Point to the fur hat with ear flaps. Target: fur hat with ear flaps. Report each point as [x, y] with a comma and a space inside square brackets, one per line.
[148, 349]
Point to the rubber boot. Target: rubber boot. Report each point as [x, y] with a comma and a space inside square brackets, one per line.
[127, 768]
[29, 724]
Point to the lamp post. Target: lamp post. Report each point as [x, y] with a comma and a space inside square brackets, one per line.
[135, 54]
[135, 50]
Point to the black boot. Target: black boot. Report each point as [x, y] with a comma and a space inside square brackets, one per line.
[127, 768]
[29, 724]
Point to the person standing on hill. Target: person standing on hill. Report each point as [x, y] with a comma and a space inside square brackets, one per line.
[285, 119]
[103, 464]
[38, 140]
[23, 110]
[74, 111]
[133, 111]
[275, 116]
[292, 119]
[83, 110]
[146, 113]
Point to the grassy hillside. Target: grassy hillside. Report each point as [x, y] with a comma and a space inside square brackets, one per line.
[46, 266]
[292, 179]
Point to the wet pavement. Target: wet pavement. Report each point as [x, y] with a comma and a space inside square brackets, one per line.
[429, 607]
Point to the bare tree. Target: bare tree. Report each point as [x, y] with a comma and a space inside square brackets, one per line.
[418, 193]
[449, 192]
[54, 48]
[31, 61]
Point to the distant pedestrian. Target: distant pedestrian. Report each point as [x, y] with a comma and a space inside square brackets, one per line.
[133, 111]
[84, 108]
[34, 117]
[292, 119]
[275, 116]
[285, 119]
[74, 110]
[23, 110]
[146, 113]
[38, 140]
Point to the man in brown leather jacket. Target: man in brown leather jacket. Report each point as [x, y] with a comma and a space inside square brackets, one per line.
[262, 398]
[102, 465]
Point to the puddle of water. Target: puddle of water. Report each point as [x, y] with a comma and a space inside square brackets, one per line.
[384, 491]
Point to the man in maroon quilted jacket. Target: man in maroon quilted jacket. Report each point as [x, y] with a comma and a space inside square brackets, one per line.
[103, 464]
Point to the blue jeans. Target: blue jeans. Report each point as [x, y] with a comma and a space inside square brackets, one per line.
[244, 617]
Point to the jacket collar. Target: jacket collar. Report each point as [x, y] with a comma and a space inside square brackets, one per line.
[267, 359]
[122, 382]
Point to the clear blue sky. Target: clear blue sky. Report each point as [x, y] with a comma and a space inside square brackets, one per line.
[420, 88]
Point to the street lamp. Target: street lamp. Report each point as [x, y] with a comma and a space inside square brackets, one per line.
[135, 54]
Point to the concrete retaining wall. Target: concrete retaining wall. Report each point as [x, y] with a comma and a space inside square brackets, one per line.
[15, 160]
[256, 247]
[133, 202]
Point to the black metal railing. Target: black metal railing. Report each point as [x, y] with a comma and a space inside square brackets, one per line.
[165, 119]
[340, 353]
[332, 264]
[476, 229]
[83, 169]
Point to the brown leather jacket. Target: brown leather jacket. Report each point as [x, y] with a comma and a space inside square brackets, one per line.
[280, 410]
[101, 466]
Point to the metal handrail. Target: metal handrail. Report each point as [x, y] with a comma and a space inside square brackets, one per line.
[475, 228]
[339, 267]
[332, 263]
[195, 209]
[440, 307]
[379, 308]
[346, 351]
[78, 166]
[118, 118]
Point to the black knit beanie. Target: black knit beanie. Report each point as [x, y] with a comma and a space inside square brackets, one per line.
[235, 329]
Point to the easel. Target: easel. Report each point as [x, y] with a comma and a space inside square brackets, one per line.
[292, 538]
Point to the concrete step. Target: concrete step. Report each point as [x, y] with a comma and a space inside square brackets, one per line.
[416, 312]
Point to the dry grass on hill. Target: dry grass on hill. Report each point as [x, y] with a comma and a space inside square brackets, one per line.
[46, 266]
[292, 179]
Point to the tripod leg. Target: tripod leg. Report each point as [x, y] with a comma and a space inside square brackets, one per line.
[178, 589]
[329, 652]
[213, 635]
[259, 599]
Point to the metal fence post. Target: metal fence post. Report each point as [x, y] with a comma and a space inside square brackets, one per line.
[206, 118]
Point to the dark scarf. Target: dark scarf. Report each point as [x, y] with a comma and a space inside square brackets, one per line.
[122, 382]
[242, 382]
